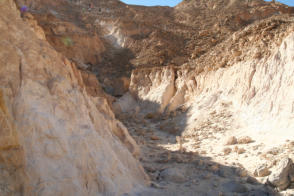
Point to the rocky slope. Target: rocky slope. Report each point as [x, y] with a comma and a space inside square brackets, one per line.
[56, 139]
[110, 38]
[205, 89]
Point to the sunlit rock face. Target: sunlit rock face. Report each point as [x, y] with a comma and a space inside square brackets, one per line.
[56, 139]
[254, 84]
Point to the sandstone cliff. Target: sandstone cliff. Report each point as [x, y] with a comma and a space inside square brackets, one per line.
[55, 138]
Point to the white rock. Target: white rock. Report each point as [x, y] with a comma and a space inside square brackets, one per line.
[280, 174]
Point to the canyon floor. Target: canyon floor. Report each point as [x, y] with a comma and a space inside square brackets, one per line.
[204, 165]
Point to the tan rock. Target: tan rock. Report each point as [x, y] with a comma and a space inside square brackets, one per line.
[241, 151]
[232, 140]
[244, 140]
[59, 140]
[262, 171]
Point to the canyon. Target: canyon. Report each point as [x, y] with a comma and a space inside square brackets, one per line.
[105, 98]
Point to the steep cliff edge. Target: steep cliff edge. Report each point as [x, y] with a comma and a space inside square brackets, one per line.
[55, 139]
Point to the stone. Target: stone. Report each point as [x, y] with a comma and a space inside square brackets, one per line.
[153, 137]
[280, 174]
[173, 175]
[241, 151]
[251, 180]
[242, 172]
[244, 140]
[262, 170]
[227, 151]
[232, 140]
[149, 115]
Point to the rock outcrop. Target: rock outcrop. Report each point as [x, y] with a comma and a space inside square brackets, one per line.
[55, 138]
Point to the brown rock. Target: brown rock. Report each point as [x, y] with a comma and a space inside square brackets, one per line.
[153, 137]
[262, 171]
[150, 115]
[227, 151]
[241, 151]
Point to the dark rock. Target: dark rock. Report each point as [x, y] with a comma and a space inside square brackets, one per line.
[173, 175]
[251, 180]
[235, 187]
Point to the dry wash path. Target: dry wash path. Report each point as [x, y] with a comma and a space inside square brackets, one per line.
[174, 170]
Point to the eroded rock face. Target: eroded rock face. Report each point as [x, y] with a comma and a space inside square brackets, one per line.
[56, 139]
[153, 88]
[264, 80]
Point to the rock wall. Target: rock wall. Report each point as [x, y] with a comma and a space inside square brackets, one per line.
[153, 88]
[257, 91]
[55, 139]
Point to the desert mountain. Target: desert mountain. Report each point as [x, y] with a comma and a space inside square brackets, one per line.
[111, 38]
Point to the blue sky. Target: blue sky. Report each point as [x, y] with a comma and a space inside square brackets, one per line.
[153, 2]
[175, 2]
[287, 2]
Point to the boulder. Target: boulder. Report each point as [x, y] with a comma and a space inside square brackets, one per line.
[262, 170]
[280, 175]
[232, 140]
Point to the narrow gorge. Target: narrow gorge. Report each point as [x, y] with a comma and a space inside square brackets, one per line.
[104, 98]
